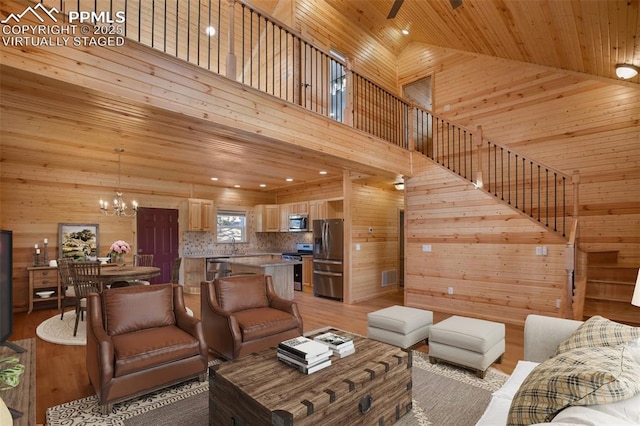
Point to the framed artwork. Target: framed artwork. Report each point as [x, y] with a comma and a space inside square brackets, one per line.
[78, 240]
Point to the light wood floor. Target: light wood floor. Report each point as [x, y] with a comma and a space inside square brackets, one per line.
[61, 374]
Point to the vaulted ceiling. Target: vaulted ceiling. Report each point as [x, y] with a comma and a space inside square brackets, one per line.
[586, 36]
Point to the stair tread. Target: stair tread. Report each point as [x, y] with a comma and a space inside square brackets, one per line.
[613, 265]
[607, 298]
[590, 280]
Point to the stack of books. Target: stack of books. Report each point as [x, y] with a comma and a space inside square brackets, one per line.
[304, 354]
[340, 345]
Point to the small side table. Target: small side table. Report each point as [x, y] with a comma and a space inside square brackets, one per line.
[43, 278]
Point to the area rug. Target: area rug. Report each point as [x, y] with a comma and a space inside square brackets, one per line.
[442, 395]
[55, 330]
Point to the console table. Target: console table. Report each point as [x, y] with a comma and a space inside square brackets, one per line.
[23, 396]
[43, 278]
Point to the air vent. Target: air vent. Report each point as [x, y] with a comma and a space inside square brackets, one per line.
[389, 278]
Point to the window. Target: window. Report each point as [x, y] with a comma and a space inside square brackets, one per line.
[232, 226]
[338, 86]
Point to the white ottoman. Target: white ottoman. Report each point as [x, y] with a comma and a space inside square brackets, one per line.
[399, 325]
[468, 342]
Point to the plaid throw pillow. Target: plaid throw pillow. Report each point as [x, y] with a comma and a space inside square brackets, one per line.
[599, 331]
[582, 376]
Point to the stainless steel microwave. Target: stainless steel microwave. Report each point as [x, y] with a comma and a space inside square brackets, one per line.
[298, 222]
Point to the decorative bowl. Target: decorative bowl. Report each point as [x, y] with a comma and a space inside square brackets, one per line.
[44, 294]
[103, 260]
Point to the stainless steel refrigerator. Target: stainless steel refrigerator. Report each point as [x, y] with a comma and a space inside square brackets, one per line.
[328, 243]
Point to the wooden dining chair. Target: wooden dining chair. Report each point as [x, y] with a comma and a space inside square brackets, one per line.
[141, 260]
[175, 270]
[66, 284]
[86, 279]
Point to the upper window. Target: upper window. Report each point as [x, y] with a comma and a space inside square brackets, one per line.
[232, 226]
[338, 85]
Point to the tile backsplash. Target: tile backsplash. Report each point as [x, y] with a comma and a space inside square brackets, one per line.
[199, 243]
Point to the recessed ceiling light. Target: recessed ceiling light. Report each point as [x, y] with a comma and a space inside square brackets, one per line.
[323, 172]
[210, 31]
[236, 186]
[289, 179]
[405, 31]
[263, 185]
[214, 178]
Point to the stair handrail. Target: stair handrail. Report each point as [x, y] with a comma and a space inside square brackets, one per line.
[543, 196]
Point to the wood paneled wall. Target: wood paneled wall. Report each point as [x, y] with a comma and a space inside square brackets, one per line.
[325, 190]
[320, 23]
[34, 200]
[481, 249]
[378, 210]
[568, 121]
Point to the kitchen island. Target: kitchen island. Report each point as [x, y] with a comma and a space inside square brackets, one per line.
[280, 269]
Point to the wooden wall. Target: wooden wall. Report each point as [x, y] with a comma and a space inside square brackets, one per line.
[374, 226]
[322, 190]
[34, 200]
[568, 121]
[320, 23]
[482, 249]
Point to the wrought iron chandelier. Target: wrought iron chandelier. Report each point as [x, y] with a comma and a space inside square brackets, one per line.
[119, 207]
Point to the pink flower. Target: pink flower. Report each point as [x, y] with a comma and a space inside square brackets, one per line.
[120, 247]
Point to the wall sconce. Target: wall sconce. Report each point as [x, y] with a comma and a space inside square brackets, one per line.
[626, 71]
[399, 186]
[635, 300]
[478, 183]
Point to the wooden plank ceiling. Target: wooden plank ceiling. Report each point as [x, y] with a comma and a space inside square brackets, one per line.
[62, 126]
[586, 36]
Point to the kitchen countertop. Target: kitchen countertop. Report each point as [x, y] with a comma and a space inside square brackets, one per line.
[261, 261]
[225, 256]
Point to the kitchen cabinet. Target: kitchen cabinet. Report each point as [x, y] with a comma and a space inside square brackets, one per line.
[200, 215]
[43, 278]
[268, 218]
[194, 273]
[317, 210]
[299, 208]
[307, 270]
[284, 217]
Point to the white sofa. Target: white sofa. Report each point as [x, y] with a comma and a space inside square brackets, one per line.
[542, 337]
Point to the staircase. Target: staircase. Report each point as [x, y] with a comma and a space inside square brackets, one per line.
[610, 287]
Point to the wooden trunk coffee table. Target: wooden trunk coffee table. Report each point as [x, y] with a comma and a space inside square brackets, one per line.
[371, 386]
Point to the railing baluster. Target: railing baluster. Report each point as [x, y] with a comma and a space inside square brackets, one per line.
[539, 186]
[502, 173]
[524, 185]
[547, 203]
[531, 188]
[516, 183]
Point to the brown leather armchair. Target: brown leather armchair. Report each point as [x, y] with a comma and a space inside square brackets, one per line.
[242, 314]
[140, 339]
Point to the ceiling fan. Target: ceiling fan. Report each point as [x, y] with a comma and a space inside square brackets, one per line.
[394, 9]
[398, 3]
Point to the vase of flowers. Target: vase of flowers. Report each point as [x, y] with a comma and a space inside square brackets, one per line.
[117, 251]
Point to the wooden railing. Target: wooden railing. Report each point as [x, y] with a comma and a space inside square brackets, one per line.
[539, 191]
[237, 40]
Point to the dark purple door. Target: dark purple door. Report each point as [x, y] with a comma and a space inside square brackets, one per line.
[158, 235]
